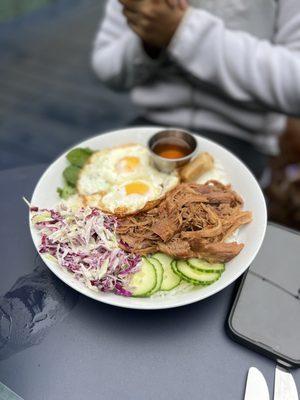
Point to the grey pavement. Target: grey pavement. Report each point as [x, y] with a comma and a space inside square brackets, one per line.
[49, 96]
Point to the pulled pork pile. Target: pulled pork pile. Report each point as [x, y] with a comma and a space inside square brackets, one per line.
[192, 221]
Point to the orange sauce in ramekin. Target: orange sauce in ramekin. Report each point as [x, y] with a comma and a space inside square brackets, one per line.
[171, 150]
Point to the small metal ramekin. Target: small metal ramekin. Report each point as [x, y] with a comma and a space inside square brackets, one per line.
[168, 165]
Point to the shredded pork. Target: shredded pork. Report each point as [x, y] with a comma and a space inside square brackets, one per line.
[192, 221]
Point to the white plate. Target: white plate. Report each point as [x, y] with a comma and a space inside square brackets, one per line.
[242, 181]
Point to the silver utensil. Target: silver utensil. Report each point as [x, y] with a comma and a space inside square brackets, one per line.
[284, 385]
[172, 136]
[256, 386]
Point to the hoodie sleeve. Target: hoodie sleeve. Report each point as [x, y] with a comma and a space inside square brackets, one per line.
[245, 68]
[118, 57]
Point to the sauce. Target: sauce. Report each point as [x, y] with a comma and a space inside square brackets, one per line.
[171, 149]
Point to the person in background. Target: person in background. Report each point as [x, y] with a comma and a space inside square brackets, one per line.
[282, 180]
[228, 69]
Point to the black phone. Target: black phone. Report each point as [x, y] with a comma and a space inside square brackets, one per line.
[265, 315]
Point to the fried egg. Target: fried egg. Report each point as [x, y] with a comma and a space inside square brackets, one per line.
[122, 180]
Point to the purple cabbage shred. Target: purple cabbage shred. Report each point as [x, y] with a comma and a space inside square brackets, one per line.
[84, 243]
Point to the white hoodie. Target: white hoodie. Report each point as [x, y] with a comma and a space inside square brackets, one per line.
[233, 66]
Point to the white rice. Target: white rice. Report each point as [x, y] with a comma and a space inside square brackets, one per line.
[182, 288]
[217, 173]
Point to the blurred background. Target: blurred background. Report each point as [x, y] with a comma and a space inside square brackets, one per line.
[49, 96]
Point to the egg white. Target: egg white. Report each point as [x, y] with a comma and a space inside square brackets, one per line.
[103, 169]
[118, 198]
[102, 181]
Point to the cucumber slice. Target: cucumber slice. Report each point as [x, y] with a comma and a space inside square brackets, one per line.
[205, 266]
[170, 279]
[191, 275]
[144, 281]
[159, 274]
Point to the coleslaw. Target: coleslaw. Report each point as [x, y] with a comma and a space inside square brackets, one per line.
[84, 243]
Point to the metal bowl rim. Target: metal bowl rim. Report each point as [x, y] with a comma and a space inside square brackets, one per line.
[173, 160]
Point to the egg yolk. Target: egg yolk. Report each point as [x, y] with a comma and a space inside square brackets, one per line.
[128, 164]
[136, 188]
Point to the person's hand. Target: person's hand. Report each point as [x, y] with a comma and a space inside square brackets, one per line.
[154, 21]
[181, 3]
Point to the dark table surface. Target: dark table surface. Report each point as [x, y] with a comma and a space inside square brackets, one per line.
[57, 344]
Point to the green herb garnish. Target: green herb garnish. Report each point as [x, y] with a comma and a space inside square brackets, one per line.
[66, 191]
[77, 158]
[71, 174]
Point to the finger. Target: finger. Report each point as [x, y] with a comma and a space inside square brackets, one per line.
[131, 16]
[128, 12]
[132, 5]
[172, 3]
[183, 4]
[136, 28]
[126, 3]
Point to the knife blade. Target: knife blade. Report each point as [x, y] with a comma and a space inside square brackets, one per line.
[284, 386]
[256, 386]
